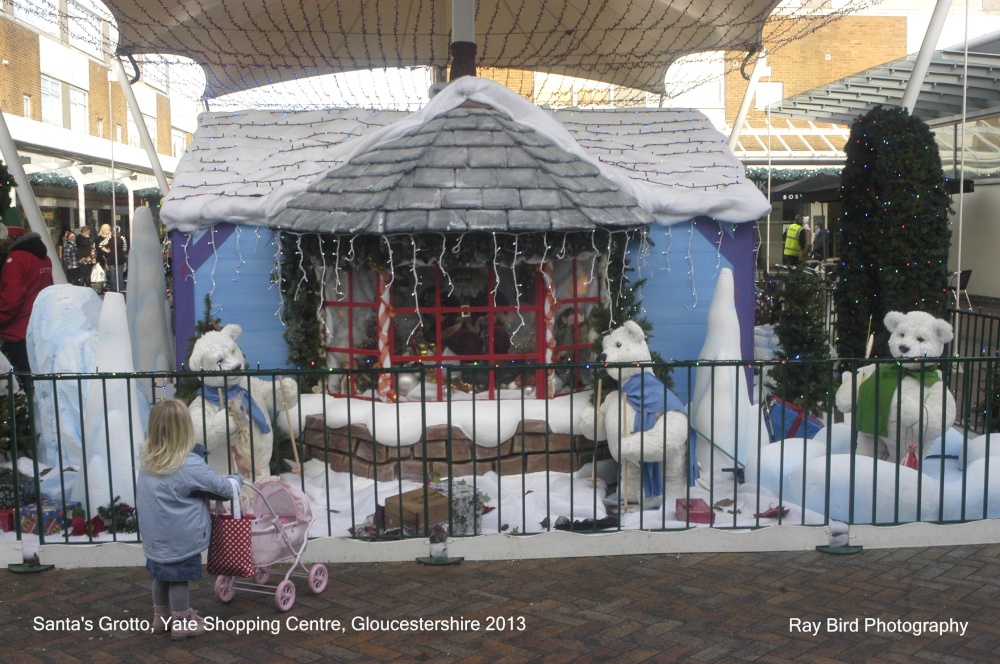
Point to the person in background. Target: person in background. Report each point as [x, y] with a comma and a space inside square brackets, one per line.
[820, 251]
[27, 270]
[796, 239]
[173, 492]
[85, 254]
[69, 257]
[111, 252]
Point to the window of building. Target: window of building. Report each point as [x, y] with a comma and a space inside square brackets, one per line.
[133, 131]
[118, 133]
[27, 106]
[52, 111]
[78, 110]
[178, 142]
[85, 29]
[39, 13]
[100, 127]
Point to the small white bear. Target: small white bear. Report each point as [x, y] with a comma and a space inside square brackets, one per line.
[634, 423]
[924, 408]
[232, 417]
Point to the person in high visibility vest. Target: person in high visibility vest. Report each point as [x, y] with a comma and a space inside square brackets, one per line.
[795, 241]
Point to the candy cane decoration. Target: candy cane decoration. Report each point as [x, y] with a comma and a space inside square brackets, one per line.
[385, 389]
[550, 324]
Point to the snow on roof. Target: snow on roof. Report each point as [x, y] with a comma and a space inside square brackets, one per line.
[246, 166]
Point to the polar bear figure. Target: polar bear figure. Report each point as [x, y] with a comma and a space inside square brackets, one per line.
[921, 409]
[643, 422]
[232, 414]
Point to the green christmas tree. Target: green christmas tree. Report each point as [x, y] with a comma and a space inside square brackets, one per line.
[894, 234]
[187, 387]
[801, 332]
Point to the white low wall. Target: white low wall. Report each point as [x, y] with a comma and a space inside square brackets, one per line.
[561, 544]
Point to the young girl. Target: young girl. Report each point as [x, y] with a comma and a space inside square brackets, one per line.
[172, 504]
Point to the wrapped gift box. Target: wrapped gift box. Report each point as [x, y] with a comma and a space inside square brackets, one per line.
[695, 510]
[466, 508]
[56, 516]
[6, 520]
[410, 507]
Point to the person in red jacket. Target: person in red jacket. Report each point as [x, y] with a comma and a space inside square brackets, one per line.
[26, 272]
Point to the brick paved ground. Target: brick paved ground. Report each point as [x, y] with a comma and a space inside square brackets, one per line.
[693, 607]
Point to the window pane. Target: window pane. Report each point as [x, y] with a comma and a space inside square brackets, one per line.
[78, 110]
[84, 29]
[40, 13]
[52, 101]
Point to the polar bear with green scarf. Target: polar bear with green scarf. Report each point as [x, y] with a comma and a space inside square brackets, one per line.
[904, 404]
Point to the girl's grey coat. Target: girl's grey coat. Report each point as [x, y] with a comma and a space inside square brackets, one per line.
[174, 522]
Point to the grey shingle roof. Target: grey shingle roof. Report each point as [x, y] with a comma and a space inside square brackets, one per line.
[471, 168]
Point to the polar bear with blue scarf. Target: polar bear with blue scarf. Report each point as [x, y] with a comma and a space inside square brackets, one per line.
[645, 424]
[232, 413]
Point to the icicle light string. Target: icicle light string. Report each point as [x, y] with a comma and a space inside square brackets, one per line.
[496, 269]
[416, 293]
[277, 270]
[517, 289]
[694, 286]
[718, 253]
[187, 258]
[392, 264]
[305, 275]
[321, 306]
[340, 295]
[239, 253]
[597, 254]
[670, 244]
[215, 260]
[444, 272]
[625, 254]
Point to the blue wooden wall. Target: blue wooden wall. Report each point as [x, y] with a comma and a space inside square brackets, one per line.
[234, 264]
[681, 271]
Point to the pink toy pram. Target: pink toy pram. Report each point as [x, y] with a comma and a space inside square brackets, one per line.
[280, 533]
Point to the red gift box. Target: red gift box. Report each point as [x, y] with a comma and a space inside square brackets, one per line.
[695, 510]
[7, 520]
[54, 517]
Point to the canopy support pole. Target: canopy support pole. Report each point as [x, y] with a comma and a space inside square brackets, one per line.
[140, 123]
[27, 196]
[922, 64]
[741, 116]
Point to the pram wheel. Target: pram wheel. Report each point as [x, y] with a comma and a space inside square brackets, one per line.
[261, 575]
[284, 596]
[224, 588]
[318, 577]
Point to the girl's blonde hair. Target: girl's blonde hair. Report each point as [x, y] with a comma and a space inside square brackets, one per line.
[171, 437]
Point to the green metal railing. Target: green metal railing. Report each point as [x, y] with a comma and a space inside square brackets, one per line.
[506, 461]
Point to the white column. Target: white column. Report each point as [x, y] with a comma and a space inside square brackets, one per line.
[140, 123]
[78, 176]
[741, 116]
[463, 21]
[919, 73]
